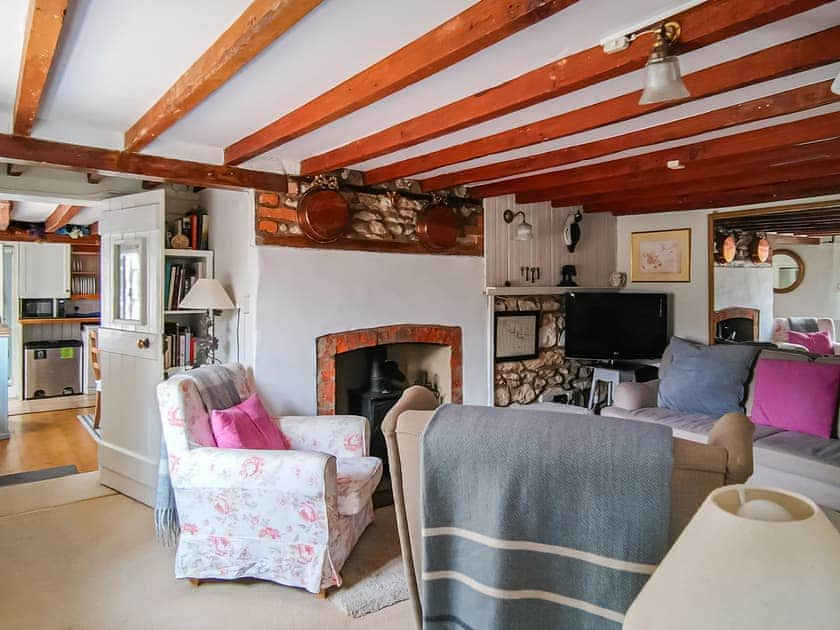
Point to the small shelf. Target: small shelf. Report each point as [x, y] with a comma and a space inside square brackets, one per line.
[188, 253]
[59, 320]
[84, 273]
[85, 296]
[544, 290]
[185, 311]
[78, 253]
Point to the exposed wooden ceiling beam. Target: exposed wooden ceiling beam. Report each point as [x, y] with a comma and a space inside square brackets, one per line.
[701, 25]
[263, 22]
[732, 166]
[533, 187]
[43, 27]
[61, 216]
[747, 176]
[479, 26]
[5, 214]
[60, 154]
[791, 101]
[777, 61]
[760, 194]
[782, 239]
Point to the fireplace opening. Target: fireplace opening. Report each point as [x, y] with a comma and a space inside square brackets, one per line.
[369, 381]
[736, 324]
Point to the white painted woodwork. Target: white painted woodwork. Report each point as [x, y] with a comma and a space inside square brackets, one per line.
[45, 270]
[128, 453]
[594, 256]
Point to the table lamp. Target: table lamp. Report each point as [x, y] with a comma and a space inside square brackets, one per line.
[750, 558]
[209, 295]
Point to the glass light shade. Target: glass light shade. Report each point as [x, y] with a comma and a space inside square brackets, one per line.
[207, 294]
[524, 231]
[835, 86]
[731, 571]
[663, 81]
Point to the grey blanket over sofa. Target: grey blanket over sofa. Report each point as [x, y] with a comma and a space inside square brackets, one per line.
[540, 519]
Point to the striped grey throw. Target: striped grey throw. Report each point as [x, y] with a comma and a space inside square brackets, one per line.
[540, 519]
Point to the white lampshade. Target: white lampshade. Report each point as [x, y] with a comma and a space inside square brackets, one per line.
[207, 294]
[729, 571]
[835, 85]
[663, 81]
[524, 231]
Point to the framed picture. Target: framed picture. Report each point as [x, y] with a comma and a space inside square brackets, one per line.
[661, 256]
[517, 335]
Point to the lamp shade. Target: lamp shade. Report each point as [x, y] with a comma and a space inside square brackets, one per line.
[207, 294]
[730, 571]
[524, 231]
[663, 81]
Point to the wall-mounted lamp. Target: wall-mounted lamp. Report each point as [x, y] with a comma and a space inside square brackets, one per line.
[663, 80]
[524, 231]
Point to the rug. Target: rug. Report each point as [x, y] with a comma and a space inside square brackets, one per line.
[87, 422]
[95, 565]
[373, 577]
[38, 475]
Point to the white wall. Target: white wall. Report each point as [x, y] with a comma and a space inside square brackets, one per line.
[235, 262]
[689, 300]
[594, 255]
[750, 287]
[819, 293]
[305, 293]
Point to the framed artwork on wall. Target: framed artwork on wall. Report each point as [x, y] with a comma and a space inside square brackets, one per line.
[661, 256]
[516, 335]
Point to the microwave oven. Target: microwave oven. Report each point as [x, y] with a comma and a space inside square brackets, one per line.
[41, 308]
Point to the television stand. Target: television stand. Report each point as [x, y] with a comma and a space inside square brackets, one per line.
[614, 373]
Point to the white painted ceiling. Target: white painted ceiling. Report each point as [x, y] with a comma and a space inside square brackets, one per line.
[116, 58]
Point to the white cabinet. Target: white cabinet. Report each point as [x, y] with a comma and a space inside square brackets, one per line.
[45, 270]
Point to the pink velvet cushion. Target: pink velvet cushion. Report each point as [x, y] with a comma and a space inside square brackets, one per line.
[796, 395]
[818, 342]
[246, 425]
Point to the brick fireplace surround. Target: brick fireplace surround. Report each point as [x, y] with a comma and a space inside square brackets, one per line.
[328, 346]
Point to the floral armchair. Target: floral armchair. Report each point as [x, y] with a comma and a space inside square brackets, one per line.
[291, 517]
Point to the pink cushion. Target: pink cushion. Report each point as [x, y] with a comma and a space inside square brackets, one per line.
[246, 425]
[818, 342]
[796, 395]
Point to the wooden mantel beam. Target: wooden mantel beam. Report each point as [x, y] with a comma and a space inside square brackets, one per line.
[5, 214]
[61, 216]
[43, 27]
[263, 22]
[150, 167]
[705, 24]
[479, 26]
[771, 63]
[788, 102]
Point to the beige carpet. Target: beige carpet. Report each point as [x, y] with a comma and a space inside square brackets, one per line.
[40, 495]
[94, 565]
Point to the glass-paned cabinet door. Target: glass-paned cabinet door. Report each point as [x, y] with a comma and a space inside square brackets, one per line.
[130, 296]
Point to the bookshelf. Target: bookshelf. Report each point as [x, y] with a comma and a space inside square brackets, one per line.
[182, 267]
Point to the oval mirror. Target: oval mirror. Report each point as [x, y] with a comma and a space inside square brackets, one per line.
[788, 270]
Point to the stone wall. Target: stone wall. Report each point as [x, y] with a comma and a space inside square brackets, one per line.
[380, 220]
[523, 381]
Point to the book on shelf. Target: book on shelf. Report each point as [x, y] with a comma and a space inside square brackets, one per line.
[195, 226]
[179, 346]
[179, 278]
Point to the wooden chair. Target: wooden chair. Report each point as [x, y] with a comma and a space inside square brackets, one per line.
[93, 339]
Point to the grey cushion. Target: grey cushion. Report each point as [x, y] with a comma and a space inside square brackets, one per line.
[704, 379]
[801, 454]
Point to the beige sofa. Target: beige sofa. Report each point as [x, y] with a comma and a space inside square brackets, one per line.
[698, 469]
[783, 459]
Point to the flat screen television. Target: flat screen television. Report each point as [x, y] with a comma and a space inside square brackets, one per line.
[616, 326]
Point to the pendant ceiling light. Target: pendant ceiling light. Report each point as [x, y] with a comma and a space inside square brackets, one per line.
[524, 231]
[663, 81]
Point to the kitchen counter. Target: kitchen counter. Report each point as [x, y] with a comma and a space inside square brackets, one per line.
[59, 320]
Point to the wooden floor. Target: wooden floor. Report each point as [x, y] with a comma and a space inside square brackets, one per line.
[47, 439]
